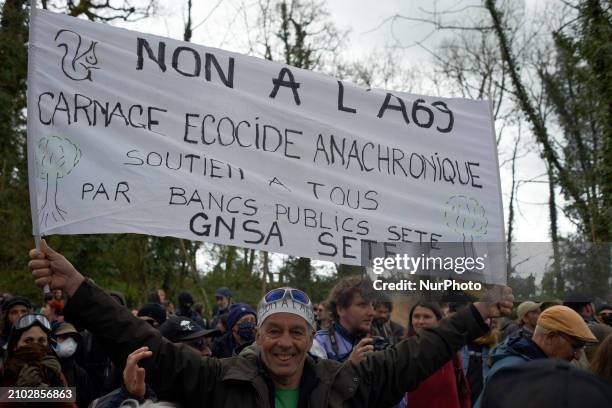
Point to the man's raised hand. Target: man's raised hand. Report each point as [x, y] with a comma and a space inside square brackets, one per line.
[53, 269]
[134, 375]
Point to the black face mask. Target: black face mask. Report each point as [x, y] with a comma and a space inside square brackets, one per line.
[246, 331]
[607, 320]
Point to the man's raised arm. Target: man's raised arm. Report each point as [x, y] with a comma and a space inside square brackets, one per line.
[175, 373]
[389, 374]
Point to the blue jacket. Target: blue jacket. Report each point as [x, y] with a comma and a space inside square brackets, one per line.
[343, 339]
[513, 351]
[464, 352]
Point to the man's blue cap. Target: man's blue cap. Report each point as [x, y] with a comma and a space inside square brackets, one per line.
[223, 291]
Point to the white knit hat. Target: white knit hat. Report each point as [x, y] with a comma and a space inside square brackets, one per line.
[285, 300]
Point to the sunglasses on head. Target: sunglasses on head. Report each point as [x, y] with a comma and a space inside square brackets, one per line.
[281, 293]
[30, 319]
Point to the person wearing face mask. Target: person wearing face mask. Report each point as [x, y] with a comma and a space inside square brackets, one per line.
[241, 323]
[67, 343]
[604, 313]
[30, 361]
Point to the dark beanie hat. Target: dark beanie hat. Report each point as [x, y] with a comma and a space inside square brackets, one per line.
[154, 311]
[16, 300]
[185, 299]
[237, 311]
[604, 307]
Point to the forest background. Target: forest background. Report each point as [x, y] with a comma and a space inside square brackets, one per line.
[548, 75]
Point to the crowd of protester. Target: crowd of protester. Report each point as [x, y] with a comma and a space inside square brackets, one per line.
[353, 337]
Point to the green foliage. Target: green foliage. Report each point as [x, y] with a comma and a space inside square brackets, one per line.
[579, 88]
[136, 264]
[15, 223]
[584, 268]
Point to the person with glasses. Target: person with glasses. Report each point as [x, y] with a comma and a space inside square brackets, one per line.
[279, 372]
[30, 362]
[560, 333]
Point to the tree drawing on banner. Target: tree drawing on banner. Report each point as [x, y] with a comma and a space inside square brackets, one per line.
[56, 156]
[467, 217]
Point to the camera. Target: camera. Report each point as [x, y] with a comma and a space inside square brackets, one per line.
[380, 343]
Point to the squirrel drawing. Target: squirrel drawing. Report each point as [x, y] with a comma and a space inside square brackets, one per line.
[77, 64]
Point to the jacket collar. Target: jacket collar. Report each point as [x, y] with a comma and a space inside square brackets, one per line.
[249, 366]
[352, 338]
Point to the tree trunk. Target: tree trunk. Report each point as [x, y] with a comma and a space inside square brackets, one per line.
[266, 273]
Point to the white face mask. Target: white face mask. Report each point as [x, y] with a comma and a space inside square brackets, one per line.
[66, 348]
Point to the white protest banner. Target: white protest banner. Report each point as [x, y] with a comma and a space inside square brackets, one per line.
[129, 132]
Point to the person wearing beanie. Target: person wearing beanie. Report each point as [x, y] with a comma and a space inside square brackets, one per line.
[185, 309]
[279, 371]
[152, 313]
[241, 323]
[604, 313]
[12, 309]
[559, 333]
[30, 361]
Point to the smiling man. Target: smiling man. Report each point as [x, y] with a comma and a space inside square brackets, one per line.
[280, 372]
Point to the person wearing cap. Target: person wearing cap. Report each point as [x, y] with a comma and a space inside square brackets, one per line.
[67, 343]
[185, 309]
[280, 372]
[559, 333]
[180, 329]
[604, 314]
[223, 298]
[583, 305]
[528, 313]
[241, 323]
